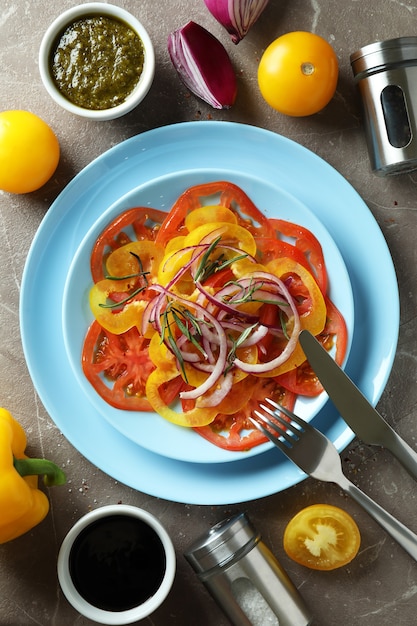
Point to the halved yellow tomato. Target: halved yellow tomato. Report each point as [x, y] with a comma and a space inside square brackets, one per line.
[322, 537]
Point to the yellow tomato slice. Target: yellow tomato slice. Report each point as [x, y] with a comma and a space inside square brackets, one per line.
[208, 215]
[231, 235]
[124, 260]
[322, 537]
[165, 371]
[174, 260]
[174, 244]
[313, 319]
[160, 355]
[192, 418]
[117, 323]
[127, 261]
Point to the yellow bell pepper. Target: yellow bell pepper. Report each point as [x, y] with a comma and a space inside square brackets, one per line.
[22, 504]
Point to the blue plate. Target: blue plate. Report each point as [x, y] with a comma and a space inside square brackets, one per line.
[200, 147]
[148, 429]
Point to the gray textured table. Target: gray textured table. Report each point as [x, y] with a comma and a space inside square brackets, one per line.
[380, 586]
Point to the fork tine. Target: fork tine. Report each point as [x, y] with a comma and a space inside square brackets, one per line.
[276, 427]
[295, 428]
[275, 440]
[268, 426]
[292, 416]
[283, 425]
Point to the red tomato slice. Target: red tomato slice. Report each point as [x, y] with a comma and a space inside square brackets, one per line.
[117, 366]
[145, 223]
[219, 279]
[308, 244]
[301, 380]
[269, 248]
[235, 432]
[227, 195]
[336, 325]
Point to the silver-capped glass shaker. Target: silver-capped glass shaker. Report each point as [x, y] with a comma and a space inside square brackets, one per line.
[386, 75]
[245, 578]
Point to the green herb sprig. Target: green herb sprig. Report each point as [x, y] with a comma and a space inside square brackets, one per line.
[135, 292]
[207, 267]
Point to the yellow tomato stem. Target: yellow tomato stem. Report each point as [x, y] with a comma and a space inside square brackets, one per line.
[52, 474]
[307, 69]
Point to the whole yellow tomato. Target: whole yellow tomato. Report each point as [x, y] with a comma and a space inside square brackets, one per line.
[29, 151]
[297, 74]
[322, 537]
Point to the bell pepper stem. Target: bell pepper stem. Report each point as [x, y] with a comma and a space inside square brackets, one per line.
[52, 474]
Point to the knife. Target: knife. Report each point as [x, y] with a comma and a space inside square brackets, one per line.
[356, 410]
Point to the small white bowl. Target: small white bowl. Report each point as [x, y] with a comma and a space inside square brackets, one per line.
[96, 549]
[107, 10]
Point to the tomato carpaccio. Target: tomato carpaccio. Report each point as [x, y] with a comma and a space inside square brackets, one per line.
[198, 311]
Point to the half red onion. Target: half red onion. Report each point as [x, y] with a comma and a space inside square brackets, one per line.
[237, 16]
[203, 65]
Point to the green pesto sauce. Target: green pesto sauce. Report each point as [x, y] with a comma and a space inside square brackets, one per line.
[97, 61]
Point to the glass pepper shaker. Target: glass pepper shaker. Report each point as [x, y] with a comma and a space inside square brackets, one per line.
[245, 578]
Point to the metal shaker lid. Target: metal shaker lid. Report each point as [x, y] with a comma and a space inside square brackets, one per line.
[226, 541]
[383, 55]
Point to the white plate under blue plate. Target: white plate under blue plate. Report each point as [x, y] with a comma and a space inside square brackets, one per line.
[149, 429]
[201, 146]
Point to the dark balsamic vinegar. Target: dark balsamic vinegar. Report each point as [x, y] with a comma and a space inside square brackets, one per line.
[117, 563]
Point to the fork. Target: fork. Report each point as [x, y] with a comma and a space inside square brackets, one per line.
[316, 455]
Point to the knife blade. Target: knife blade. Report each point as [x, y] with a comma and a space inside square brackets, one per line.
[353, 406]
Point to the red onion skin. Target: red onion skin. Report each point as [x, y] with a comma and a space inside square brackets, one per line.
[211, 77]
[237, 17]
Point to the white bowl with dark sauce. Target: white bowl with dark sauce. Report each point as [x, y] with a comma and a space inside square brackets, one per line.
[117, 564]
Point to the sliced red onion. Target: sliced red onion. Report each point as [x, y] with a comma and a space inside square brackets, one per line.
[221, 390]
[258, 334]
[236, 16]
[221, 304]
[203, 65]
[219, 365]
[218, 314]
[268, 366]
